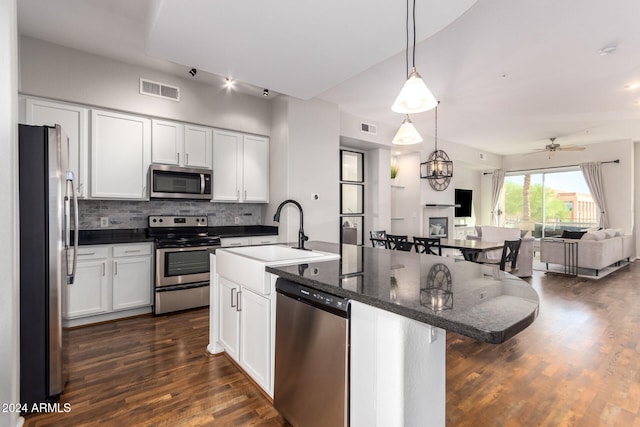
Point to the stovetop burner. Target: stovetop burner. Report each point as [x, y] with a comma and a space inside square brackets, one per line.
[180, 231]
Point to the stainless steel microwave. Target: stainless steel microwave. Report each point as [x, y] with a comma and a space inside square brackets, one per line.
[175, 182]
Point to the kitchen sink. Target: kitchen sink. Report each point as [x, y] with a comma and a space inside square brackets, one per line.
[276, 253]
[246, 265]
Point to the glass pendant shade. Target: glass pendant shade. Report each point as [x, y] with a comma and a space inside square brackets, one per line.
[407, 134]
[415, 96]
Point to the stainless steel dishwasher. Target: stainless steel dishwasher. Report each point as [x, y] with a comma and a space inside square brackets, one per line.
[312, 356]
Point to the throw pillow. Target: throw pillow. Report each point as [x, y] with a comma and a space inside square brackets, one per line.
[610, 232]
[600, 235]
[589, 236]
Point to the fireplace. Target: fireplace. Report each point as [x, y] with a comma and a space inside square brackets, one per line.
[439, 226]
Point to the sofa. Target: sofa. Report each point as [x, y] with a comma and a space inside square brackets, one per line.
[595, 249]
[486, 233]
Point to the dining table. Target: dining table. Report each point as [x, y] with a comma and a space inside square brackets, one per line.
[470, 248]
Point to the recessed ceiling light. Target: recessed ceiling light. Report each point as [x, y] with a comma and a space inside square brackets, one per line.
[228, 83]
[607, 50]
[632, 86]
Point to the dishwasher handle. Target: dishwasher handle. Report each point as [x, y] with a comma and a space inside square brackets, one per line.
[334, 304]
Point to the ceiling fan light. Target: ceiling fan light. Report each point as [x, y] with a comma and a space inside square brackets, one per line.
[415, 96]
[407, 134]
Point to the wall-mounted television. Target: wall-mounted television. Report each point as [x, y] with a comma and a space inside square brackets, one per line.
[464, 202]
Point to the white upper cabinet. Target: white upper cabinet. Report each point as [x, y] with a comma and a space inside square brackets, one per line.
[198, 142]
[255, 169]
[120, 155]
[74, 120]
[167, 142]
[226, 170]
[240, 167]
[181, 144]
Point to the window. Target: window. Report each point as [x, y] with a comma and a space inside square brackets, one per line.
[547, 203]
[351, 197]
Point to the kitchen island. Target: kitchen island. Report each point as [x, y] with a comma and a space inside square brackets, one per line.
[402, 304]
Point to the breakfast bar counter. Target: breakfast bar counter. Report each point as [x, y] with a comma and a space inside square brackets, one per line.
[475, 300]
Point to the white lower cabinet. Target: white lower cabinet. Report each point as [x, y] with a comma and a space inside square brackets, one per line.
[88, 295]
[229, 317]
[131, 282]
[255, 337]
[245, 330]
[110, 282]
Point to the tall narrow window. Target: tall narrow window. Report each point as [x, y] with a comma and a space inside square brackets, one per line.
[548, 203]
[351, 197]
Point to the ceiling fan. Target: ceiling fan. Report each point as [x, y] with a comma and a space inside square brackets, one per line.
[553, 147]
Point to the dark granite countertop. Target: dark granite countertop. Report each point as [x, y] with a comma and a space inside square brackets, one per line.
[134, 235]
[111, 236]
[471, 299]
[243, 230]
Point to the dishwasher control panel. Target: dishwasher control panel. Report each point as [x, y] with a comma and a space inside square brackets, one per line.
[309, 295]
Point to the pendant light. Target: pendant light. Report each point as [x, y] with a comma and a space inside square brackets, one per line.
[415, 96]
[407, 134]
[438, 168]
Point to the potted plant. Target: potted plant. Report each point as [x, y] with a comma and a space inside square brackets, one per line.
[394, 171]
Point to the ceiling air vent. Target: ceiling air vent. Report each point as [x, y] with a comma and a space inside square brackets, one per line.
[367, 128]
[161, 90]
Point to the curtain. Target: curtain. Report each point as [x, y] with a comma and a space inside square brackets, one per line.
[497, 181]
[593, 176]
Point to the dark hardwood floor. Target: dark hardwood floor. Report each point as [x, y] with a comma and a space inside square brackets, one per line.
[577, 365]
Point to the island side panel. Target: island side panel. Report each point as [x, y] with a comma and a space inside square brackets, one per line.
[214, 346]
[398, 373]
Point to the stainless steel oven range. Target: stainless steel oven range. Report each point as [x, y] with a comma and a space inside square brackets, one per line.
[182, 261]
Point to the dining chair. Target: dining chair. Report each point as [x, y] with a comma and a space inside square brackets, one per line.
[379, 239]
[394, 239]
[403, 246]
[510, 254]
[427, 245]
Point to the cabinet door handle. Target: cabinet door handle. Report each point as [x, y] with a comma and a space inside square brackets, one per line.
[245, 195]
[232, 291]
[238, 301]
[178, 155]
[186, 158]
[104, 269]
[238, 194]
[115, 268]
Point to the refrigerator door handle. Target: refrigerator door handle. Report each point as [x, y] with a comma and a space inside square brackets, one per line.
[71, 277]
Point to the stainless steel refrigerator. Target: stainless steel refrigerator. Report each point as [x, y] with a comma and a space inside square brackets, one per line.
[47, 200]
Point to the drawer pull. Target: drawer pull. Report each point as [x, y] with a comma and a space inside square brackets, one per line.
[86, 254]
[132, 251]
[235, 244]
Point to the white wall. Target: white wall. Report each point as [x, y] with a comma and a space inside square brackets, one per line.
[377, 189]
[57, 72]
[9, 285]
[350, 129]
[306, 146]
[406, 211]
[618, 178]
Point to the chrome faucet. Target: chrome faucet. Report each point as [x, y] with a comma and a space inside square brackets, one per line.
[301, 236]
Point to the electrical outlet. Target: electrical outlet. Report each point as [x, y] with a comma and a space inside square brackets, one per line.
[104, 221]
[237, 220]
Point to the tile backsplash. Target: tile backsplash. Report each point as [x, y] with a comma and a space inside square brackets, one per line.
[133, 214]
